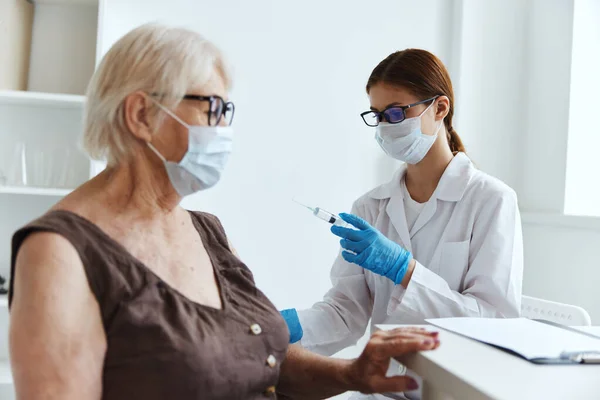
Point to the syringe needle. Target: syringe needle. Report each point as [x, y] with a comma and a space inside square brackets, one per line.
[303, 205]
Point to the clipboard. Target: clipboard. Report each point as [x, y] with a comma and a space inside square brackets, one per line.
[576, 357]
[537, 341]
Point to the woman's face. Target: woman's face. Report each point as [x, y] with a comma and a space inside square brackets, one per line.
[171, 139]
[383, 96]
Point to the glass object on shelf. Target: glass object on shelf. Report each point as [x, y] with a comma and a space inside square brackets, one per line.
[51, 167]
[64, 169]
[38, 171]
[3, 282]
[4, 162]
[13, 166]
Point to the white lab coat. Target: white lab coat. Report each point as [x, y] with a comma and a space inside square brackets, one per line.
[468, 246]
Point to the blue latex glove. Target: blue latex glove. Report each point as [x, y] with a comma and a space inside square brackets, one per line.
[373, 251]
[293, 323]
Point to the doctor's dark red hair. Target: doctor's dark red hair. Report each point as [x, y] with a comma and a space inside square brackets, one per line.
[425, 76]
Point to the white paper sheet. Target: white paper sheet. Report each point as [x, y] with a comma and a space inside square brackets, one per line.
[528, 338]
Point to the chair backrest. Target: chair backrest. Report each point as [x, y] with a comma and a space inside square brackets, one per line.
[566, 314]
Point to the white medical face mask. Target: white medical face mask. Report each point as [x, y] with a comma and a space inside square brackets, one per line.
[201, 167]
[405, 141]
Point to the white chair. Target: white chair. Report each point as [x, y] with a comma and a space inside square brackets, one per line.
[565, 314]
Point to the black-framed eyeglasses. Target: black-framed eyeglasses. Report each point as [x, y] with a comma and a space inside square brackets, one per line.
[218, 108]
[393, 114]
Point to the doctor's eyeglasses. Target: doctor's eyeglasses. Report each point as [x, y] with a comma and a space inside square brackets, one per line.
[393, 114]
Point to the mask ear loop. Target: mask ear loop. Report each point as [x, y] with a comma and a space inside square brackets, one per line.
[156, 152]
[429, 106]
[172, 115]
[439, 127]
[441, 122]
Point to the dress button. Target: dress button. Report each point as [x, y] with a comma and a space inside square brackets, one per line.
[256, 329]
[270, 391]
[271, 361]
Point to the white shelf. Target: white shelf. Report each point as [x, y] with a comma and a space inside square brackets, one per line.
[557, 220]
[24, 190]
[53, 100]
[66, 2]
[5, 374]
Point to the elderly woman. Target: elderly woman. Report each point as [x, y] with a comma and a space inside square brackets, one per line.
[119, 293]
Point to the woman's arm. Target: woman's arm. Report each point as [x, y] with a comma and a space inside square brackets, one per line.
[57, 342]
[305, 375]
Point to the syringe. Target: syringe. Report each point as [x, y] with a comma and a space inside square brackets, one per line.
[327, 216]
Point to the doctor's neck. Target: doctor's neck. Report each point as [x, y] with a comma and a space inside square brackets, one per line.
[422, 178]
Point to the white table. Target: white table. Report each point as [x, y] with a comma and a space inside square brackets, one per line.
[464, 369]
[594, 330]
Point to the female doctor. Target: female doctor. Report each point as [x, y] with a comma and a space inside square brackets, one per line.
[440, 239]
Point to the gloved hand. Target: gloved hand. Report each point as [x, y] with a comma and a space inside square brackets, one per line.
[373, 251]
[293, 323]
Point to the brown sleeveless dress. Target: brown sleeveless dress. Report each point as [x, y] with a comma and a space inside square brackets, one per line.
[162, 345]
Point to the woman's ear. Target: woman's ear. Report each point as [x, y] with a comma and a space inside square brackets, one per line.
[442, 107]
[137, 115]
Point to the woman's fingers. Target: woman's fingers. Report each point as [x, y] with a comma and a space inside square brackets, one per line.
[382, 384]
[409, 330]
[397, 347]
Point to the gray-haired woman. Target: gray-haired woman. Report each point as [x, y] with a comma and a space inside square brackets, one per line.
[150, 301]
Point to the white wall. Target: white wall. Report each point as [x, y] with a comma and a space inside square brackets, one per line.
[516, 86]
[562, 262]
[546, 112]
[582, 197]
[560, 252]
[513, 94]
[490, 84]
[300, 71]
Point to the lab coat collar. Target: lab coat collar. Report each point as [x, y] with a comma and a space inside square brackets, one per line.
[452, 185]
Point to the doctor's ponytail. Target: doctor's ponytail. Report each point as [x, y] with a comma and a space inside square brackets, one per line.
[425, 76]
[455, 142]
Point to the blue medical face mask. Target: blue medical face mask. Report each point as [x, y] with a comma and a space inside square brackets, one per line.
[201, 167]
[405, 141]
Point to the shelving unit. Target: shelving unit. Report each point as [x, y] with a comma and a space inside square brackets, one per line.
[33, 191]
[39, 99]
[50, 50]
[67, 2]
[52, 54]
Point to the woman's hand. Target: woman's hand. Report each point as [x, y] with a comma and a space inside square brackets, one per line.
[369, 248]
[306, 375]
[366, 374]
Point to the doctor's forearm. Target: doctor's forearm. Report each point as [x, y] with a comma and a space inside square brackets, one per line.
[409, 272]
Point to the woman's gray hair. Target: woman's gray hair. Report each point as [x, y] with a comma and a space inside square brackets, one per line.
[152, 58]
